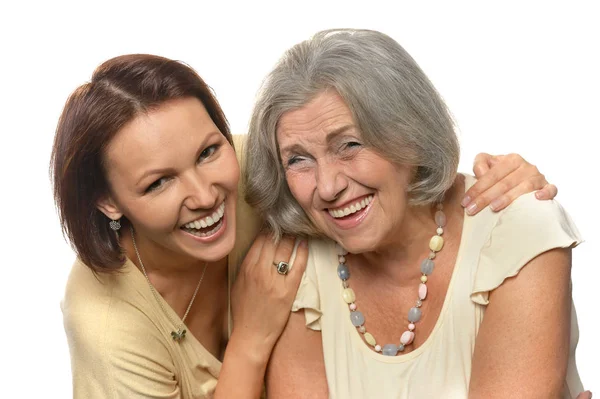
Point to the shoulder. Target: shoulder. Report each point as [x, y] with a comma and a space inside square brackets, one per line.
[516, 235]
[107, 312]
[114, 337]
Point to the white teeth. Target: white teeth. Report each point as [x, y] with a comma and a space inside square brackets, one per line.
[208, 220]
[338, 213]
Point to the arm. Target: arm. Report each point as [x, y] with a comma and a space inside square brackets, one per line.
[297, 368]
[261, 304]
[503, 178]
[522, 347]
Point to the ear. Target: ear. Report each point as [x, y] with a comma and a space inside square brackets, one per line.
[108, 207]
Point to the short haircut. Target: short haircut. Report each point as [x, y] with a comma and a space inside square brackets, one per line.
[395, 106]
[121, 89]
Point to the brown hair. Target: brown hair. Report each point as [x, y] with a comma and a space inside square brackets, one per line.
[121, 89]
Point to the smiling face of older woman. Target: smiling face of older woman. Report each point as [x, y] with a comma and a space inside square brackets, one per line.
[350, 193]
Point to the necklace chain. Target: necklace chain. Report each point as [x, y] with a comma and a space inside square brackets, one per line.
[180, 333]
[414, 315]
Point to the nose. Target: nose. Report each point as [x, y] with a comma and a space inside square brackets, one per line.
[331, 181]
[199, 192]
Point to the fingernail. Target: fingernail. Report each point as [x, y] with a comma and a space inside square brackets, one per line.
[496, 204]
[465, 201]
[471, 208]
[538, 195]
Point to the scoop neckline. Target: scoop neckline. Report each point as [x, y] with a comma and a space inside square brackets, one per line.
[358, 341]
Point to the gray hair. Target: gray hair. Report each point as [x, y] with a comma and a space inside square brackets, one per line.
[396, 108]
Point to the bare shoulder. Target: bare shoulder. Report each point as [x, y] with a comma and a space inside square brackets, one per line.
[296, 368]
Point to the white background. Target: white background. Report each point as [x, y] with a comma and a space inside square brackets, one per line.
[519, 77]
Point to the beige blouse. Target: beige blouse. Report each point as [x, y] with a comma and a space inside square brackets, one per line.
[494, 246]
[120, 338]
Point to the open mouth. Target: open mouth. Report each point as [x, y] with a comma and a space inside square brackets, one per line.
[348, 211]
[207, 225]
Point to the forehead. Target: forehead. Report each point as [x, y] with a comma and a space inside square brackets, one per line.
[323, 114]
[169, 131]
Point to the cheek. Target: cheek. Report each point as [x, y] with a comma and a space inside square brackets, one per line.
[229, 170]
[301, 188]
[157, 214]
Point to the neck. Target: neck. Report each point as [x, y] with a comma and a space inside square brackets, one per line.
[400, 258]
[397, 258]
[173, 275]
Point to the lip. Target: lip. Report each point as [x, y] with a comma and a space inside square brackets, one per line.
[207, 214]
[354, 219]
[213, 237]
[351, 202]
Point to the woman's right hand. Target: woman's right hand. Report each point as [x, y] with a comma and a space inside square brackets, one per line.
[261, 297]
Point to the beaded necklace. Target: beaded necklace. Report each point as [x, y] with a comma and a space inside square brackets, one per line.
[414, 314]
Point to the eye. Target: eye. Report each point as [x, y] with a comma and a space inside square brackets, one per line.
[208, 151]
[157, 184]
[294, 160]
[351, 145]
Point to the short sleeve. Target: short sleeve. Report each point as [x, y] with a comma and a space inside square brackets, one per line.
[307, 297]
[524, 230]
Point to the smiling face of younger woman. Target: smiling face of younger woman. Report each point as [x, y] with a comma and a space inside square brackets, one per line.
[175, 176]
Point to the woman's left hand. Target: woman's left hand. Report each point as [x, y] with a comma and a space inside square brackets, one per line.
[503, 178]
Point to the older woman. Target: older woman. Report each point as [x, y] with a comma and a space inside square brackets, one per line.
[416, 299]
[146, 183]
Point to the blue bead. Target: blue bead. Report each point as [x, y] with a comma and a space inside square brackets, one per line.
[389, 350]
[414, 315]
[343, 272]
[427, 267]
[357, 318]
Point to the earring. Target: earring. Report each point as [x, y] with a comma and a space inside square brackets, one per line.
[115, 225]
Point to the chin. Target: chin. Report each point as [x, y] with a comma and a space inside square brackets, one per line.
[216, 251]
[356, 245]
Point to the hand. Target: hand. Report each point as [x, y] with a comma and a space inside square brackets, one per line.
[585, 395]
[501, 180]
[262, 298]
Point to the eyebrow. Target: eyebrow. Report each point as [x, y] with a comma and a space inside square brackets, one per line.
[165, 171]
[331, 136]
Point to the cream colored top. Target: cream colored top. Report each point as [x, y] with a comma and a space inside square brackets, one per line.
[494, 246]
[120, 338]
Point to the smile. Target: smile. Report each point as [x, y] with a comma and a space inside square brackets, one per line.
[200, 227]
[348, 210]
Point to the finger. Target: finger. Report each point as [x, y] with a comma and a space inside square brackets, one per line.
[481, 164]
[493, 177]
[300, 261]
[255, 250]
[499, 201]
[505, 165]
[585, 395]
[284, 250]
[549, 191]
[267, 253]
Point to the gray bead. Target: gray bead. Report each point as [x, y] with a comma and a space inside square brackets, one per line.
[414, 315]
[389, 350]
[427, 266]
[343, 272]
[400, 348]
[357, 318]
